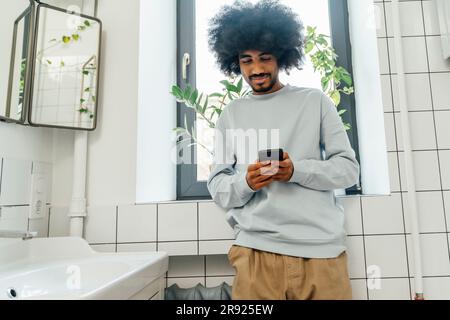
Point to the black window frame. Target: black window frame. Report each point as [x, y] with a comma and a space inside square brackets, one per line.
[188, 188]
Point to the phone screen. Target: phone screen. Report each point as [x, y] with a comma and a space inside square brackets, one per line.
[270, 154]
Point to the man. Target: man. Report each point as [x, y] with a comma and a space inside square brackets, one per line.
[290, 239]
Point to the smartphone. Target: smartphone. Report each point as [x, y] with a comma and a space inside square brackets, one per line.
[270, 154]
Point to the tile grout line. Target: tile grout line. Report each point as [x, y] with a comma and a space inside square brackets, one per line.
[117, 225]
[198, 231]
[48, 221]
[416, 111]
[364, 247]
[204, 268]
[1, 175]
[157, 228]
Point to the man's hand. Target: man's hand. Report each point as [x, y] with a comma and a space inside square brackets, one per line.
[261, 174]
[258, 175]
[285, 169]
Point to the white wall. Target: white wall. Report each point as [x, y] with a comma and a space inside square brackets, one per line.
[128, 158]
[112, 146]
[156, 173]
[25, 143]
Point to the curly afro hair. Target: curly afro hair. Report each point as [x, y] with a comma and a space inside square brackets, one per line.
[267, 26]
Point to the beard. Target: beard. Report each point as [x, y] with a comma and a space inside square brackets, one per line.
[263, 87]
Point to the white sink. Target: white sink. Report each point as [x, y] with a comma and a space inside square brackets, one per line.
[67, 268]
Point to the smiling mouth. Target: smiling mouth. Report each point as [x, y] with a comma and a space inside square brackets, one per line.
[260, 79]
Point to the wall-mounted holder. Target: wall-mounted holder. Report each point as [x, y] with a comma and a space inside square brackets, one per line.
[54, 69]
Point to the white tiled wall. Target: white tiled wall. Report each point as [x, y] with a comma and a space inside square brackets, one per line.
[387, 220]
[210, 271]
[15, 192]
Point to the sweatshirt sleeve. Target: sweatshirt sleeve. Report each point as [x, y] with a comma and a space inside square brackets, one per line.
[340, 169]
[228, 187]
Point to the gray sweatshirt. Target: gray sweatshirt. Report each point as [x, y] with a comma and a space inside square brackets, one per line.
[300, 217]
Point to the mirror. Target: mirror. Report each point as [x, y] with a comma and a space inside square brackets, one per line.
[50, 58]
[14, 23]
[64, 83]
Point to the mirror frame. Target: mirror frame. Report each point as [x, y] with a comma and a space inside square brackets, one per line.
[28, 10]
[33, 10]
[32, 66]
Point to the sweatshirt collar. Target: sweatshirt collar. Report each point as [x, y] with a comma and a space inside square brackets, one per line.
[269, 95]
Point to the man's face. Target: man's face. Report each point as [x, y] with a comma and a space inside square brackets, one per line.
[260, 70]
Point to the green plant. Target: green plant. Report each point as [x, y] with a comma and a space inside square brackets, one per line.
[335, 80]
[208, 107]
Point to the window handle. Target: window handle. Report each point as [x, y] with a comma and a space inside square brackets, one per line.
[186, 62]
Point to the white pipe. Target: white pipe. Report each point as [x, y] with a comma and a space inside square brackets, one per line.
[409, 164]
[78, 204]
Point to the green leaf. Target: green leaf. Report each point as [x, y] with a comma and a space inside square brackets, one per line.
[322, 41]
[49, 62]
[239, 85]
[87, 23]
[311, 29]
[205, 105]
[233, 88]
[85, 72]
[309, 46]
[199, 99]
[347, 78]
[216, 94]
[81, 28]
[82, 100]
[342, 111]
[229, 86]
[87, 89]
[62, 64]
[93, 98]
[325, 82]
[75, 37]
[213, 111]
[187, 93]
[177, 92]
[336, 97]
[193, 97]
[348, 90]
[65, 39]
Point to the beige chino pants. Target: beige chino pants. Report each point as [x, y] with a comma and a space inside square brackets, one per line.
[262, 275]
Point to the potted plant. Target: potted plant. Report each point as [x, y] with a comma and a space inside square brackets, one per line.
[335, 80]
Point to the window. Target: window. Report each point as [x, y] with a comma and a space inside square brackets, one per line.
[329, 16]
